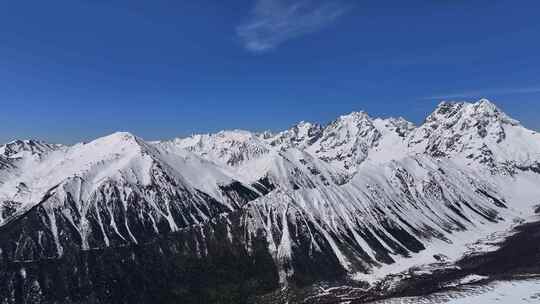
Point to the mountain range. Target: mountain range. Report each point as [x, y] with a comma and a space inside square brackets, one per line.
[240, 216]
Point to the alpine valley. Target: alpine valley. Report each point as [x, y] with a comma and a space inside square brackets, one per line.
[361, 209]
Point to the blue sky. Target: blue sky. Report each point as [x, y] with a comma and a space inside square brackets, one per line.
[73, 70]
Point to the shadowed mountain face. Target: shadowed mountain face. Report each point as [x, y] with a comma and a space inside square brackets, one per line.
[236, 216]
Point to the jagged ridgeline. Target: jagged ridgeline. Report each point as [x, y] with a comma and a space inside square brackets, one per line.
[237, 216]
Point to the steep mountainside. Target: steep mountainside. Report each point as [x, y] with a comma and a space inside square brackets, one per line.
[234, 215]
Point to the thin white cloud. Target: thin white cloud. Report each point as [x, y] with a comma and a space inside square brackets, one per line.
[483, 93]
[272, 22]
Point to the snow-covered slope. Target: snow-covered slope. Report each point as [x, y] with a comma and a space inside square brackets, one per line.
[19, 154]
[387, 218]
[445, 166]
[359, 198]
[523, 291]
[253, 158]
[118, 189]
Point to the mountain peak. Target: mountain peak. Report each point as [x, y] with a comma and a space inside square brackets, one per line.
[230, 147]
[475, 129]
[486, 107]
[120, 135]
[399, 125]
[355, 115]
[446, 109]
[306, 126]
[304, 123]
[482, 110]
[300, 135]
[31, 146]
[118, 142]
[485, 101]
[236, 134]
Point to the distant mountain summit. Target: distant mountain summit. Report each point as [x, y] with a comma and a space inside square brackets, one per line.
[17, 148]
[122, 220]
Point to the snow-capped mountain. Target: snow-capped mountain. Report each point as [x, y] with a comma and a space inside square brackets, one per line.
[21, 148]
[355, 200]
[300, 136]
[479, 132]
